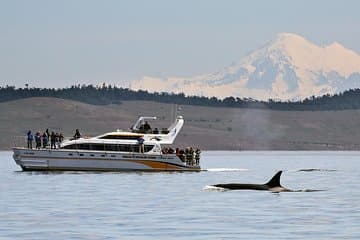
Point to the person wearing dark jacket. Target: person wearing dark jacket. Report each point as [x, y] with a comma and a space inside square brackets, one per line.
[38, 140]
[147, 127]
[30, 139]
[77, 134]
[52, 140]
[140, 141]
[61, 138]
[45, 140]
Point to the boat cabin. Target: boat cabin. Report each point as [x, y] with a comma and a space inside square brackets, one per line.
[128, 148]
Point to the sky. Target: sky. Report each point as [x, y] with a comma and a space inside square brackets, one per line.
[48, 43]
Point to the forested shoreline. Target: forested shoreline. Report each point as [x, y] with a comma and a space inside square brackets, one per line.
[107, 94]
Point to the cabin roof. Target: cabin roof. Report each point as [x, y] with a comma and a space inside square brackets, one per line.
[122, 134]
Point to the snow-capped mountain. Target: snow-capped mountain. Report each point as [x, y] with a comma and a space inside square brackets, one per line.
[289, 67]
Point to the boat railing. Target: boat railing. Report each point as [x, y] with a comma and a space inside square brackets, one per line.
[17, 141]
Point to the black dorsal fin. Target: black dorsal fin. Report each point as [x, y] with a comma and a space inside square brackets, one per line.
[275, 181]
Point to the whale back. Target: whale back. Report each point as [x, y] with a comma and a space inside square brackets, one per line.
[274, 181]
[272, 185]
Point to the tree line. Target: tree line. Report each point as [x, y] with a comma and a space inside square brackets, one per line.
[107, 94]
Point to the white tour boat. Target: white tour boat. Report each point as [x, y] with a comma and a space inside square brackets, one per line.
[114, 151]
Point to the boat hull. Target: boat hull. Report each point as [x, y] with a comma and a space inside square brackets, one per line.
[77, 160]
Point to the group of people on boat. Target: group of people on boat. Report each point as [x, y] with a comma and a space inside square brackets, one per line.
[145, 128]
[187, 155]
[43, 140]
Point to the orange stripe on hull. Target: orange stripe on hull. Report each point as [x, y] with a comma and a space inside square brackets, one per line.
[158, 165]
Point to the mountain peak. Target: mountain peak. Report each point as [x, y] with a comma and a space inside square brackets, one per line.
[288, 67]
[290, 42]
[289, 37]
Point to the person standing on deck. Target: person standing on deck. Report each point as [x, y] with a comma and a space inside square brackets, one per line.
[197, 156]
[38, 140]
[57, 139]
[47, 133]
[45, 140]
[147, 127]
[52, 140]
[141, 144]
[61, 138]
[77, 134]
[30, 139]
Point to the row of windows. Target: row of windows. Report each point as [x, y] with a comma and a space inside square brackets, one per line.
[109, 147]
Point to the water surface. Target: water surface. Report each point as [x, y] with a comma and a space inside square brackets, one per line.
[135, 205]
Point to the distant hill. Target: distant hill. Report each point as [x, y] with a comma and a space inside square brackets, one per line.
[105, 95]
[205, 127]
[287, 68]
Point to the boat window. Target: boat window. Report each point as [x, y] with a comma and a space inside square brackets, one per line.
[109, 147]
[148, 148]
[83, 146]
[97, 147]
[124, 137]
[72, 146]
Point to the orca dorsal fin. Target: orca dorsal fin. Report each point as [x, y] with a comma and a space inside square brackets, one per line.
[275, 181]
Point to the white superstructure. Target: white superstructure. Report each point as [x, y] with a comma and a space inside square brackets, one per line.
[113, 151]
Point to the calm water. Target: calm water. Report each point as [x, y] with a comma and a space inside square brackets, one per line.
[78, 205]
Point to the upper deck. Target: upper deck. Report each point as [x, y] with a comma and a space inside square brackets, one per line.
[150, 136]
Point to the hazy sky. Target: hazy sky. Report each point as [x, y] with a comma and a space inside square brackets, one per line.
[59, 43]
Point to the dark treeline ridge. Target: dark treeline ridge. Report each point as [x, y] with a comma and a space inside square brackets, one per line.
[105, 95]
